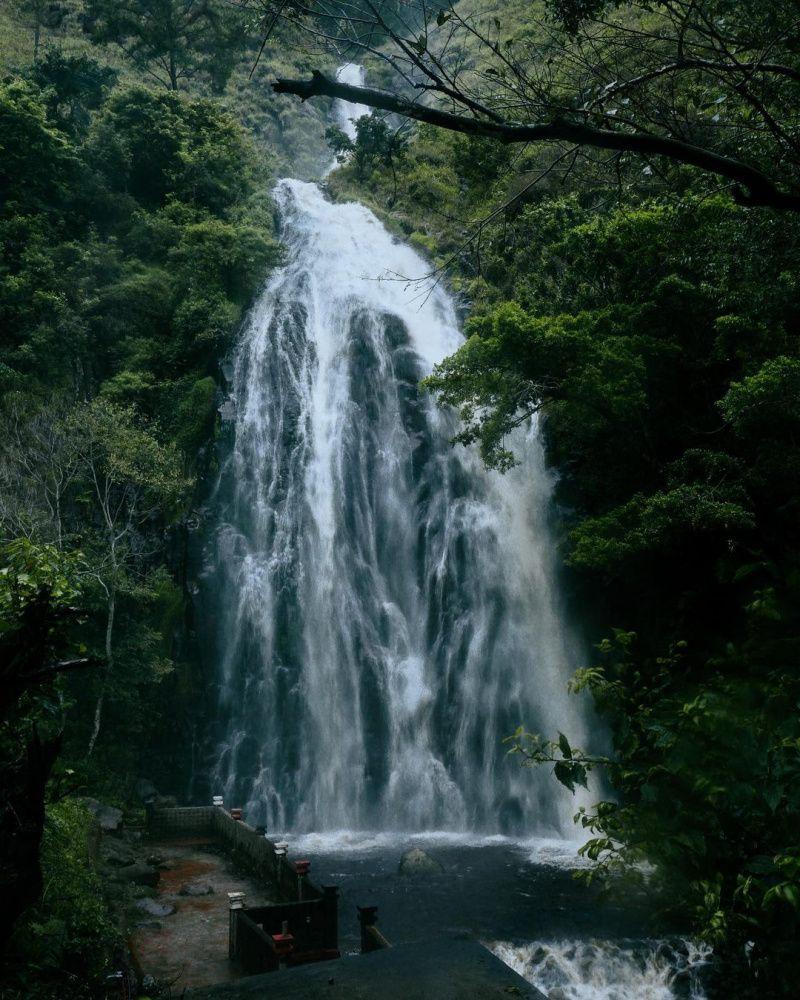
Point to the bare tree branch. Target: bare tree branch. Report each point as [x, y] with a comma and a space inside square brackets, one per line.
[752, 186]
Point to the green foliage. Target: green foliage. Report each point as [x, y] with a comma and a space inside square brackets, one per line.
[35, 160]
[376, 144]
[119, 450]
[134, 235]
[138, 276]
[171, 41]
[669, 381]
[572, 13]
[63, 945]
[75, 85]
[28, 570]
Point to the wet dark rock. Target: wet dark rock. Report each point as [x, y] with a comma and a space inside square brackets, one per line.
[418, 862]
[155, 908]
[190, 889]
[137, 873]
[109, 818]
[116, 855]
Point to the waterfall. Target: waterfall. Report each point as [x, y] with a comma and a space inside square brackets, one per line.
[345, 112]
[384, 609]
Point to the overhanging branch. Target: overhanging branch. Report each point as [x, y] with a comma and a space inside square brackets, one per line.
[752, 186]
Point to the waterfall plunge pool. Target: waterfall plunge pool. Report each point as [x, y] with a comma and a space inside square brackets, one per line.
[520, 898]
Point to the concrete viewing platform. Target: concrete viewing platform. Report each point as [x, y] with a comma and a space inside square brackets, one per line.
[440, 969]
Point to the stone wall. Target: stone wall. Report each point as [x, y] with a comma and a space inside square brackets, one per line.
[186, 821]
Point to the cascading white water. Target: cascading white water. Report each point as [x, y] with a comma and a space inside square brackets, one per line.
[386, 610]
[606, 970]
[347, 113]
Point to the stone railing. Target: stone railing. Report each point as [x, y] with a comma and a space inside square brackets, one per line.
[251, 850]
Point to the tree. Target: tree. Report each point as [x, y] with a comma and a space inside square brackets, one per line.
[119, 482]
[709, 84]
[376, 143]
[33, 12]
[75, 85]
[170, 40]
[39, 464]
[130, 480]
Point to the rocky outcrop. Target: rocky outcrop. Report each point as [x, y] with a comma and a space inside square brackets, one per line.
[136, 874]
[109, 818]
[418, 862]
[154, 907]
[196, 889]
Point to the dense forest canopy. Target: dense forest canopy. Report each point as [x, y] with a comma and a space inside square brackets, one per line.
[612, 190]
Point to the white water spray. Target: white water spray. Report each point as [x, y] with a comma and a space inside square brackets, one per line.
[606, 970]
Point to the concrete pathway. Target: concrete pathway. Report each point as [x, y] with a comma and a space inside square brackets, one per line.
[190, 947]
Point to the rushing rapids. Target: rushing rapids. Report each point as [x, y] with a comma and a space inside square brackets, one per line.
[385, 609]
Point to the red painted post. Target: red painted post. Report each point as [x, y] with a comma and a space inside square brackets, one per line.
[284, 945]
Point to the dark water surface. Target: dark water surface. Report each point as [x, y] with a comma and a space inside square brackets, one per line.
[520, 899]
[492, 891]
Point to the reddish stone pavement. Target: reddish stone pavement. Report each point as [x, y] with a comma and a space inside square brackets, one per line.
[190, 947]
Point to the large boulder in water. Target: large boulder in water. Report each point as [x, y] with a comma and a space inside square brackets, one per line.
[417, 862]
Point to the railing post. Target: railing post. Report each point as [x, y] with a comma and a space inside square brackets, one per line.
[367, 917]
[281, 850]
[302, 868]
[283, 944]
[236, 902]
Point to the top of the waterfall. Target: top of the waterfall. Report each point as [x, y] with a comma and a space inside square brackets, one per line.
[349, 256]
[351, 73]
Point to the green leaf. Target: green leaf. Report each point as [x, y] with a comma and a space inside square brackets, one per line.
[563, 772]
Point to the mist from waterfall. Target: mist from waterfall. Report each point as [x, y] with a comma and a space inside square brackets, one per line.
[385, 609]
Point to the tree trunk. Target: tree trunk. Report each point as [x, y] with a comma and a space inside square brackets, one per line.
[98, 712]
[22, 783]
[173, 71]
